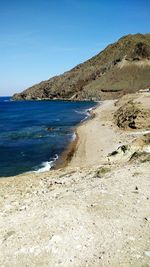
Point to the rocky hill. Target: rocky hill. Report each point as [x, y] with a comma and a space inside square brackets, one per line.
[122, 67]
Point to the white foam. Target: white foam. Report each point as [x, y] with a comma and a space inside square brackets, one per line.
[46, 166]
[85, 118]
[90, 109]
[87, 112]
[81, 112]
[74, 136]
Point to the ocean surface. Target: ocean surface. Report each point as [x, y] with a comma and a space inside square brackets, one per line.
[33, 134]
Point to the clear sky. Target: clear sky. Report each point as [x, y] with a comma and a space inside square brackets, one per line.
[42, 38]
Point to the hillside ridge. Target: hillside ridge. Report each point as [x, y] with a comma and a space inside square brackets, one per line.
[122, 67]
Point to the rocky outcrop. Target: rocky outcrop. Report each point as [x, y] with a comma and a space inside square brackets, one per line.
[138, 149]
[123, 67]
[132, 116]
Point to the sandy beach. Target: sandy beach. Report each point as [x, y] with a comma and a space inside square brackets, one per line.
[97, 138]
[93, 212]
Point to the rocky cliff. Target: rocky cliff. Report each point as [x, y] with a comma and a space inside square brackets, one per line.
[122, 67]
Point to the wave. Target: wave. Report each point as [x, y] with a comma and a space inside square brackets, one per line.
[86, 112]
[47, 165]
[73, 137]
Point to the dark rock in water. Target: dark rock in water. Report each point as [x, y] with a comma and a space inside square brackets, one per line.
[122, 67]
[50, 129]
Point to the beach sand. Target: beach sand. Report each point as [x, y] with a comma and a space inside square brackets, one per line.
[97, 137]
[93, 212]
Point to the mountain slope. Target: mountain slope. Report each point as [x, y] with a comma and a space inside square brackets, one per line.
[120, 68]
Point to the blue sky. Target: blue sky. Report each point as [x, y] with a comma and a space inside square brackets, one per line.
[39, 39]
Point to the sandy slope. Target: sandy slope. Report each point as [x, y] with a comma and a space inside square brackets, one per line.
[75, 217]
[98, 137]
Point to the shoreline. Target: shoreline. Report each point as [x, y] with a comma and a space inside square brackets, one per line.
[66, 156]
[91, 212]
[44, 160]
[93, 151]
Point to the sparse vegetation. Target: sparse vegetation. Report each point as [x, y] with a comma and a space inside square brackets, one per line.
[123, 148]
[147, 159]
[136, 174]
[115, 71]
[102, 171]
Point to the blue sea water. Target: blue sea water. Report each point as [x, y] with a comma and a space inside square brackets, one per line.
[25, 142]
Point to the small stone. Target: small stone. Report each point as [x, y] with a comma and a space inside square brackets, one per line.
[22, 208]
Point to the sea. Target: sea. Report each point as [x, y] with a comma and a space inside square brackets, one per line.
[33, 134]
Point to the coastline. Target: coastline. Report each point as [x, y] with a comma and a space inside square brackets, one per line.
[93, 151]
[66, 156]
[37, 142]
[91, 212]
